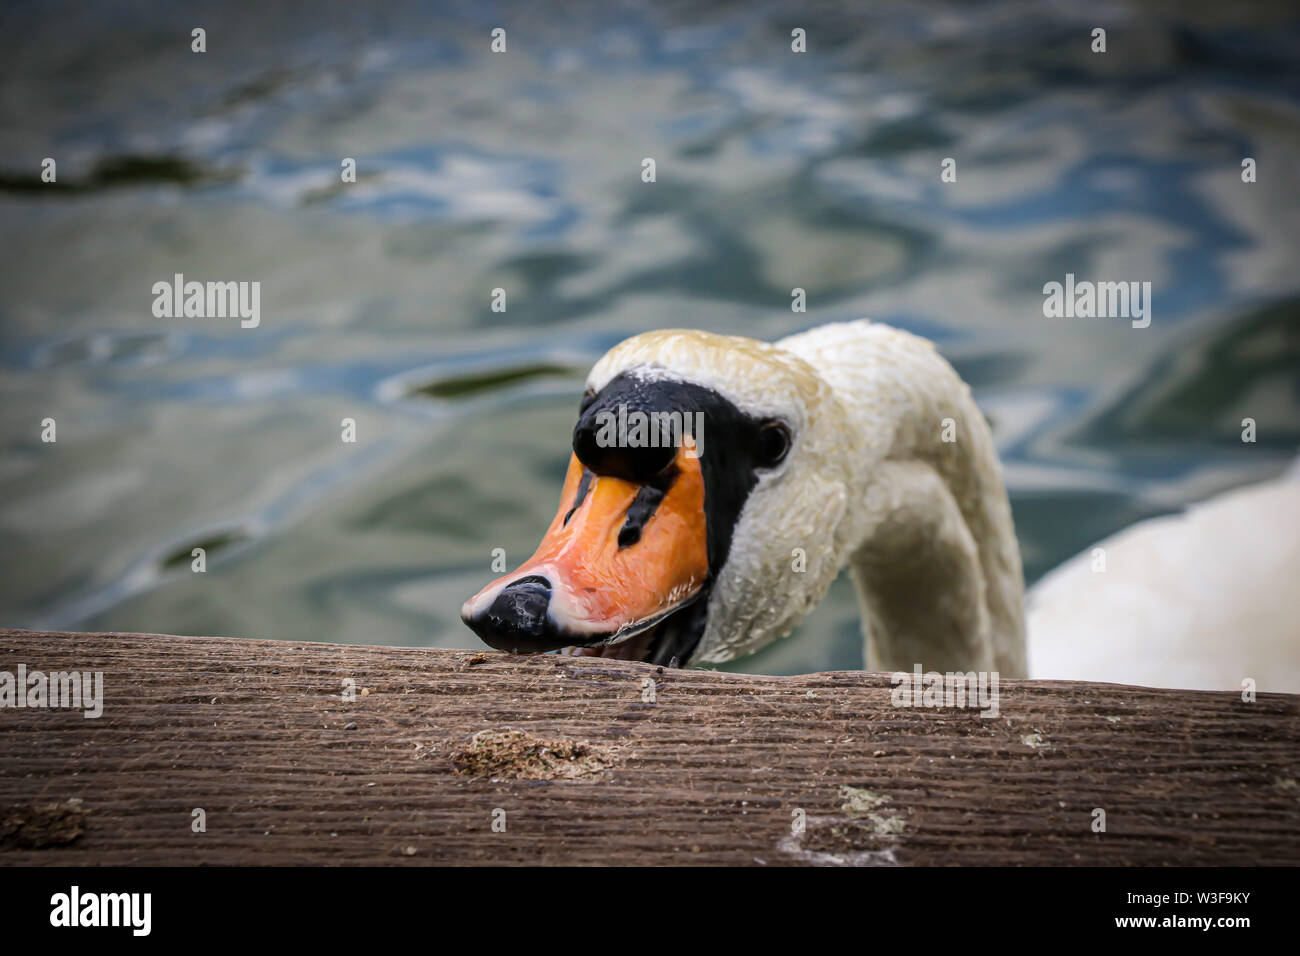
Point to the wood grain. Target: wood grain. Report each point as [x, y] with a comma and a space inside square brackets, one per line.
[257, 734]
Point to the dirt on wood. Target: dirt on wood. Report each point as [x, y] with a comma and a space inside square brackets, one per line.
[517, 753]
[34, 826]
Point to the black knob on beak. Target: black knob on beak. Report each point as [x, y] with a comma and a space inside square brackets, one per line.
[637, 463]
[516, 621]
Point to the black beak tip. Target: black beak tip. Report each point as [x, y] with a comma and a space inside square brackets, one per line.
[516, 621]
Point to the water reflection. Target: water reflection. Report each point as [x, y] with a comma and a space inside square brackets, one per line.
[522, 172]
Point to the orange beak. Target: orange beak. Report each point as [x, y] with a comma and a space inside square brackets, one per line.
[617, 558]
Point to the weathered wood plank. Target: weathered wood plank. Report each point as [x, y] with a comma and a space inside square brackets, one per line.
[258, 735]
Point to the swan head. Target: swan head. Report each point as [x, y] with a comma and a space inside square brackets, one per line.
[702, 515]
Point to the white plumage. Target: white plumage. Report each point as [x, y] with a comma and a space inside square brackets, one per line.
[1202, 599]
[893, 473]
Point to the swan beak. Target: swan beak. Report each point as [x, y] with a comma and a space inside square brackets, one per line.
[617, 559]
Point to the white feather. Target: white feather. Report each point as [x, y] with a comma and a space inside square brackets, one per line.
[1205, 599]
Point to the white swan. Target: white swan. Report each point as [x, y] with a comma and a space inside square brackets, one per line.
[856, 444]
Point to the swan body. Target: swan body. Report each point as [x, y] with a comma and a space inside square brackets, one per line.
[1202, 600]
[855, 445]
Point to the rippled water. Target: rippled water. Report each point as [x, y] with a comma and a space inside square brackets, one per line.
[522, 171]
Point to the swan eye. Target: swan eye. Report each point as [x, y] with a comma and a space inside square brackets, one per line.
[773, 444]
[587, 398]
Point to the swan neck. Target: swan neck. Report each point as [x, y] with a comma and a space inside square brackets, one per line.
[937, 566]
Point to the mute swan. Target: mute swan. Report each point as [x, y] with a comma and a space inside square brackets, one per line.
[856, 444]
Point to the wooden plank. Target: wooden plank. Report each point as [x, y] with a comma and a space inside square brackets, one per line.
[257, 734]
